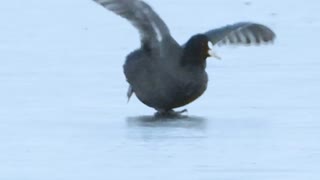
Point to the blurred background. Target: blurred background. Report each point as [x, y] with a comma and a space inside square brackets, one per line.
[64, 112]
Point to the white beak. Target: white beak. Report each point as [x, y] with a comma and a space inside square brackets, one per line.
[211, 53]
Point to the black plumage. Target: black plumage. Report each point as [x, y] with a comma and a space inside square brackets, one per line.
[165, 75]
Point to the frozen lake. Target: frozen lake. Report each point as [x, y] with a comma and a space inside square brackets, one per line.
[63, 110]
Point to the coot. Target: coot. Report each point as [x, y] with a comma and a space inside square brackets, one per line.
[165, 75]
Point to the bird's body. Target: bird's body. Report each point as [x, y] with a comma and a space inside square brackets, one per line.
[163, 74]
[163, 85]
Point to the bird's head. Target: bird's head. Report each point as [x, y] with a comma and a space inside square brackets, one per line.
[199, 45]
[197, 50]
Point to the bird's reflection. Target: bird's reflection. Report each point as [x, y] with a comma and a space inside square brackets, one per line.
[192, 122]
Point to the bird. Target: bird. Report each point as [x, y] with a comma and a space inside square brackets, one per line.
[165, 75]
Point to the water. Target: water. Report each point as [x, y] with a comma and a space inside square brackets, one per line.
[63, 110]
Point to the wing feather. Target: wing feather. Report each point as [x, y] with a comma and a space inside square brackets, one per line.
[150, 26]
[245, 33]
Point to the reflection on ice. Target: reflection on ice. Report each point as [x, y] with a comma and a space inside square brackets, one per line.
[192, 122]
[166, 130]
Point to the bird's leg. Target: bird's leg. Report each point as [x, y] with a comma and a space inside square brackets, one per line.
[129, 93]
[182, 111]
[170, 113]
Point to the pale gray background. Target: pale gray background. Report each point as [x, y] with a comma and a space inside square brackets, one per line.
[63, 110]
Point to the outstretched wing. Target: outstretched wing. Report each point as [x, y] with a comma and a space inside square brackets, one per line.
[150, 26]
[245, 33]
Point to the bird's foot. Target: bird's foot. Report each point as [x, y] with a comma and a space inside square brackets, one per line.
[170, 113]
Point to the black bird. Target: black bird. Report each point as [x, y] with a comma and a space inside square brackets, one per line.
[165, 75]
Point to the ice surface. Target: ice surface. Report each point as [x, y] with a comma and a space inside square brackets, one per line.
[63, 111]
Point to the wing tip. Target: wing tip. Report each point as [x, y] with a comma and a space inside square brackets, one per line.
[249, 34]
